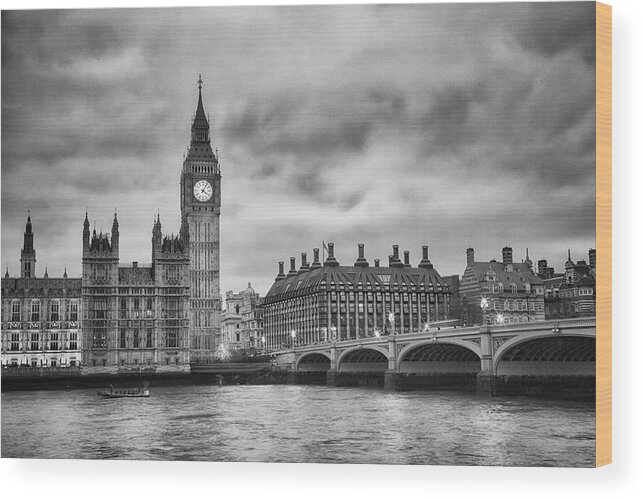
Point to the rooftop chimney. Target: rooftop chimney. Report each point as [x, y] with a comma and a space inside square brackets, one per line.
[425, 263]
[592, 258]
[280, 275]
[377, 262]
[304, 264]
[470, 256]
[316, 263]
[361, 261]
[330, 260]
[407, 258]
[395, 261]
[507, 255]
[293, 270]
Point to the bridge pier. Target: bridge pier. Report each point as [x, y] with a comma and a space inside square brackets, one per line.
[485, 378]
[332, 377]
[391, 379]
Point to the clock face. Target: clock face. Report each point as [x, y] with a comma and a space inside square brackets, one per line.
[202, 190]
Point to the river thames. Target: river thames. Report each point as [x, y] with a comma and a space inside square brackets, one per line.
[294, 423]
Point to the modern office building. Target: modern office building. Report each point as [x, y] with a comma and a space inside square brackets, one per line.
[327, 302]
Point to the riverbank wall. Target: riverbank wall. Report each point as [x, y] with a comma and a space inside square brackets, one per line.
[554, 387]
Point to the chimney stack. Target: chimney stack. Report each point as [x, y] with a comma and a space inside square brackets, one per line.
[407, 258]
[293, 270]
[507, 255]
[280, 275]
[316, 263]
[425, 263]
[592, 258]
[395, 261]
[330, 260]
[361, 261]
[377, 262]
[470, 256]
[305, 267]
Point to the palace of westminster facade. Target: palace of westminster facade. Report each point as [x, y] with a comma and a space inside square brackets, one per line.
[116, 318]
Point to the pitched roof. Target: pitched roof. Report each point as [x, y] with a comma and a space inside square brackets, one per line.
[312, 280]
[520, 273]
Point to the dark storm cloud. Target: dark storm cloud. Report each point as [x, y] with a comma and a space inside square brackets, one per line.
[552, 28]
[452, 125]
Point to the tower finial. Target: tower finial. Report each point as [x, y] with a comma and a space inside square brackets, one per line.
[200, 81]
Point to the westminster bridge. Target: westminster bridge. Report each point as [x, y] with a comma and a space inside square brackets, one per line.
[548, 357]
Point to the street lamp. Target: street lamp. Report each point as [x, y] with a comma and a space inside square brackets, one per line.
[377, 333]
[391, 319]
[484, 305]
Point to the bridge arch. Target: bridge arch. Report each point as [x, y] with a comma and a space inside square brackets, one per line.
[313, 362]
[372, 359]
[441, 356]
[566, 353]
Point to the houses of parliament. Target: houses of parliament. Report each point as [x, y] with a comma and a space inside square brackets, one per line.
[157, 317]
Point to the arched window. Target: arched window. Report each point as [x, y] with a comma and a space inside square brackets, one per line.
[236, 308]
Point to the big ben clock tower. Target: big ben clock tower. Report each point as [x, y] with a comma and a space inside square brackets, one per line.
[200, 211]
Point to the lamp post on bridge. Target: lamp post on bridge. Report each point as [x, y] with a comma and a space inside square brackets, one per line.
[391, 319]
[484, 305]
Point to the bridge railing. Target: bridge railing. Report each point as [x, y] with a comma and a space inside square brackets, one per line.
[451, 332]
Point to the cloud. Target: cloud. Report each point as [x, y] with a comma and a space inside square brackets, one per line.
[447, 125]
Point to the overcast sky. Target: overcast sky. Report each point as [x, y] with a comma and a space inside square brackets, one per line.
[447, 125]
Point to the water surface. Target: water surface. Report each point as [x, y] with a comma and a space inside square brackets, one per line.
[284, 423]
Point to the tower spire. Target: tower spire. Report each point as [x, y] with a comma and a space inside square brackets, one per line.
[200, 125]
[28, 253]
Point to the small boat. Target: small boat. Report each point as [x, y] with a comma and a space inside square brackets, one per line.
[114, 393]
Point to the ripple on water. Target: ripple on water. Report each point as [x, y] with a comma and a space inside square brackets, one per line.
[282, 423]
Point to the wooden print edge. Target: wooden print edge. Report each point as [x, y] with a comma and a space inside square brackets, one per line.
[603, 234]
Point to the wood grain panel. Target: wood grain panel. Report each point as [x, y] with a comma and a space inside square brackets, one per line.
[603, 234]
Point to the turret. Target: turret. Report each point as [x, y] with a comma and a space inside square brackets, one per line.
[86, 233]
[529, 263]
[28, 253]
[115, 234]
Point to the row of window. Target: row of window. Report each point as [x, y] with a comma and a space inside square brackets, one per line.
[36, 316]
[135, 339]
[35, 342]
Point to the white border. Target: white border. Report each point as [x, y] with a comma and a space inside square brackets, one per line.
[65, 478]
